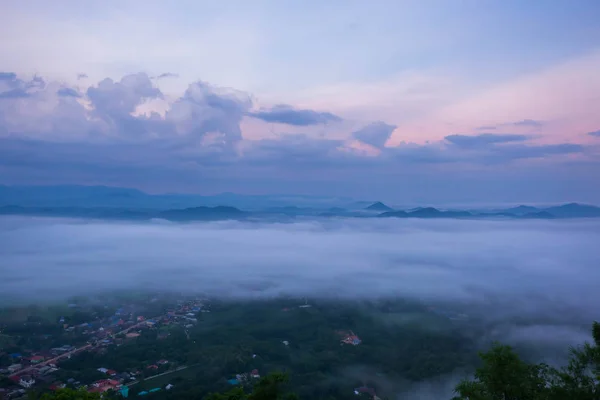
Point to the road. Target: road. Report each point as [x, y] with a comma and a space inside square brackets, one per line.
[69, 353]
[51, 361]
[164, 373]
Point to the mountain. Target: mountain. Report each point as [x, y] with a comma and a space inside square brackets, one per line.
[574, 210]
[106, 196]
[379, 206]
[520, 210]
[186, 214]
[396, 214]
[426, 212]
[538, 215]
[203, 214]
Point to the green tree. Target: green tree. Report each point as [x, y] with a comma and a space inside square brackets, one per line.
[504, 376]
[70, 394]
[269, 387]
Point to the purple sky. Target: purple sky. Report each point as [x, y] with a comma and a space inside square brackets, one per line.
[408, 101]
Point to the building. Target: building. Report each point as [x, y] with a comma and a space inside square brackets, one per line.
[14, 368]
[36, 359]
[350, 338]
[26, 381]
[103, 385]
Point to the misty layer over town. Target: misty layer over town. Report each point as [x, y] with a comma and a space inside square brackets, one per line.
[508, 268]
[506, 279]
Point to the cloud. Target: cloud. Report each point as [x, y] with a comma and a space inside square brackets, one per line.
[375, 134]
[166, 75]
[528, 123]
[484, 139]
[68, 92]
[8, 76]
[14, 94]
[594, 133]
[285, 114]
[121, 98]
[13, 88]
[518, 152]
[52, 135]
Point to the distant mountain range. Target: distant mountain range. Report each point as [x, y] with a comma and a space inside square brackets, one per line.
[106, 196]
[379, 206]
[115, 203]
[203, 213]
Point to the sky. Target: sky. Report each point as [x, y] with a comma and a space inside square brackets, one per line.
[426, 101]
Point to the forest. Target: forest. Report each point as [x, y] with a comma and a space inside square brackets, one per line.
[297, 348]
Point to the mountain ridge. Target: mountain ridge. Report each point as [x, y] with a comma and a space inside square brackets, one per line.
[207, 213]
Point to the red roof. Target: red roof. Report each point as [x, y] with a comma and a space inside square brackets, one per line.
[254, 372]
[36, 358]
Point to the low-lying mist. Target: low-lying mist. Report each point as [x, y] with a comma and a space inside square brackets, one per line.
[546, 272]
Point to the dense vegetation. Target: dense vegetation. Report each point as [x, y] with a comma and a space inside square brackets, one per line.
[504, 376]
[402, 343]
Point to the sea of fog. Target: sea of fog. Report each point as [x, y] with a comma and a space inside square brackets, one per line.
[525, 263]
[536, 282]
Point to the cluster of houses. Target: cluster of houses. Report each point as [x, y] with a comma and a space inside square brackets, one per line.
[348, 337]
[366, 393]
[243, 378]
[27, 370]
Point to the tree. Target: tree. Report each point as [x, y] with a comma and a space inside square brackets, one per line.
[269, 387]
[504, 376]
[70, 394]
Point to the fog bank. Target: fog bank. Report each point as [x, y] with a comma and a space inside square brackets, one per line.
[524, 262]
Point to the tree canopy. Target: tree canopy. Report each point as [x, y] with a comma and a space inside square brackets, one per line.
[505, 376]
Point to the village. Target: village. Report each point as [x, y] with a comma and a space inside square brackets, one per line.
[114, 326]
[30, 369]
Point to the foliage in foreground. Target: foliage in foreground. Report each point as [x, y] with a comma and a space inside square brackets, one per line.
[504, 376]
[71, 394]
[269, 387]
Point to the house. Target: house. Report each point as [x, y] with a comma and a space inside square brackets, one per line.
[153, 366]
[365, 390]
[111, 372]
[103, 370]
[57, 385]
[254, 374]
[36, 359]
[132, 335]
[350, 338]
[45, 369]
[14, 368]
[26, 381]
[169, 387]
[162, 362]
[104, 385]
[285, 342]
